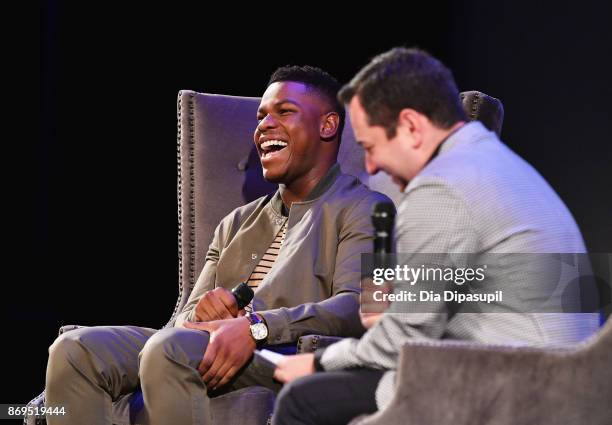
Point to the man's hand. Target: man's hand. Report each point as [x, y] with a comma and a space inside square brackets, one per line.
[369, 319]
[218, 304]
[293, 367]
[229, 348]
[371, 311]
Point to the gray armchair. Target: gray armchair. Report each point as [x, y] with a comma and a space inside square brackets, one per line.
[213, 179]
[458, 383]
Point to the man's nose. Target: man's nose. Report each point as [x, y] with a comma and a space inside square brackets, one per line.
[266, 123]
[370, 167]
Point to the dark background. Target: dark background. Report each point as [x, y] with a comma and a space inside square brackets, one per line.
[91, 193]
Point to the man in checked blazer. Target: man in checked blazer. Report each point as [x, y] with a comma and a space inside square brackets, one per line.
[464, 191]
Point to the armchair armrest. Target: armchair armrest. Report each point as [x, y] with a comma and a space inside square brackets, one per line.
[310, 343]
[460, 383]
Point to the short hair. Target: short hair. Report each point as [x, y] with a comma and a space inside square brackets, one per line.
[405, 78]
[317, 79]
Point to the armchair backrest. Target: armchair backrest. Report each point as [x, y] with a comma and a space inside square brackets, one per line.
[219, 170]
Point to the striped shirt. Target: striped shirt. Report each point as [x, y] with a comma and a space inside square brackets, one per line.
[267, 261]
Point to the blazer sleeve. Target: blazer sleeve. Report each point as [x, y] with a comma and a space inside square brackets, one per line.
[206, 279]
[431, 219]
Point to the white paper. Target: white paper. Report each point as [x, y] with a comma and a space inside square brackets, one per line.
[270, 356]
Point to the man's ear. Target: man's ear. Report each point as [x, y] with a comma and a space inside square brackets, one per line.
[330, 123]
[411, 122]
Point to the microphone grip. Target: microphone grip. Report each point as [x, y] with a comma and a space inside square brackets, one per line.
[382, 243]
[383, 216]
[243, 295]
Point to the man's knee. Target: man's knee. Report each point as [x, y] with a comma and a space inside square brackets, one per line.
[73, 346]
[172, 346]
[70, 351]
[289, 408]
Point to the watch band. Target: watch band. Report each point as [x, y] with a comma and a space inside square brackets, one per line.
[254, 318]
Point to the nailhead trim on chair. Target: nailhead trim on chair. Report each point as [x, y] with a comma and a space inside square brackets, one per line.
[191, 194]
[315, 343]
[34, 403]
[180, 194]
[180, 207]
[474, 107]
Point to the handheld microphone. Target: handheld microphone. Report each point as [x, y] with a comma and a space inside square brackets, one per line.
[383, 216]
[243, 295]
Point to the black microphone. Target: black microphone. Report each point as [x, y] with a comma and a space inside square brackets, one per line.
[243, 295]
[383, 216]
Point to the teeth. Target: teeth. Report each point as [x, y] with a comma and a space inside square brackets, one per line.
[268, 143]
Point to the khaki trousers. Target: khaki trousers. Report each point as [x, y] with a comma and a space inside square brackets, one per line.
[91, 367]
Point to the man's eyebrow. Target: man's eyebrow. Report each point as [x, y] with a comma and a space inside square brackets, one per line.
[293, 102]
[280, 102]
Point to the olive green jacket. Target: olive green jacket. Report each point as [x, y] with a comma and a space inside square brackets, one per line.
[314, 285]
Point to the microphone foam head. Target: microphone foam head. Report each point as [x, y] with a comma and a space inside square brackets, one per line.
[383, 215]
[243, 295]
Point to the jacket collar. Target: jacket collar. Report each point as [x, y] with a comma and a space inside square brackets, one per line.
[321, 187]
[468, 132]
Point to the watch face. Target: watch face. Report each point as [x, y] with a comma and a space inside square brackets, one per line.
[259, 331]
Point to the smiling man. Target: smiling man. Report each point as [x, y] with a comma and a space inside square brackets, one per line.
[464, 192]
[299, 249]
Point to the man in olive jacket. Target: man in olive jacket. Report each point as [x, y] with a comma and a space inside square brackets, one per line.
[299, 249]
